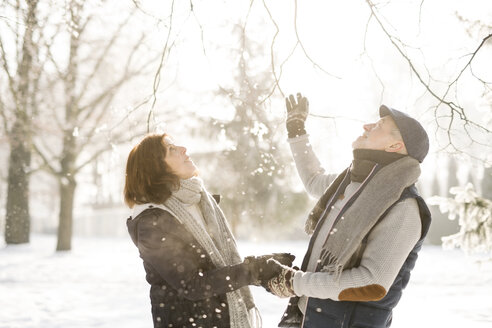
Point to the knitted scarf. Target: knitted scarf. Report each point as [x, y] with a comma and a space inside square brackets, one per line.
[381, 189]
[365, 159]
[217, 240]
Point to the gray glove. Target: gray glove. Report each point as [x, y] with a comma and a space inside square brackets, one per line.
[297, 112]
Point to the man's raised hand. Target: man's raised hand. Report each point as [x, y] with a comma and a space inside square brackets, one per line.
[297, 112]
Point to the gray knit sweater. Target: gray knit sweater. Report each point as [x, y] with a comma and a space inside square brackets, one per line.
[389, 243]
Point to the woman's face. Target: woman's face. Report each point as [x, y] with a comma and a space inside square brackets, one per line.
[178, 161]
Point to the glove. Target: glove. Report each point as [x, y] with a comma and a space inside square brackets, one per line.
[297, 112]
[282, 258]
[281, 285]
[262, 271]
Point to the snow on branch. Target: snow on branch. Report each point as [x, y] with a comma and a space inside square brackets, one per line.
[475, 220]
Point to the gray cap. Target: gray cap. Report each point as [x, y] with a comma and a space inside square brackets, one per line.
[413, 133]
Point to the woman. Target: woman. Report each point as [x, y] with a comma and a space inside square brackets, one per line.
[190, 257]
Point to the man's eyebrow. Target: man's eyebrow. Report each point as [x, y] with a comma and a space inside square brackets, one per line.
[384, 119]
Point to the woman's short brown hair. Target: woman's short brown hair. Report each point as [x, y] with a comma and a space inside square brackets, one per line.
[148, 178]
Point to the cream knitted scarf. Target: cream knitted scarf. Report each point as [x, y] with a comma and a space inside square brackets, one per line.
[217, 240]
[381, 190]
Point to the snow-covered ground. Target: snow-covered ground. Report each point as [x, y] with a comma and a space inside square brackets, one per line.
[101, 284]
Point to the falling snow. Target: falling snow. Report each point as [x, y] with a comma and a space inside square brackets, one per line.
[101, 284]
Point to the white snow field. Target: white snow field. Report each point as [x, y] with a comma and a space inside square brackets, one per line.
[101, 284]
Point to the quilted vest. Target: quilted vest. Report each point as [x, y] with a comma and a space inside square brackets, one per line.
[327, 313]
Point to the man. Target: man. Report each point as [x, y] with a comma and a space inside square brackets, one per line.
[367, 226]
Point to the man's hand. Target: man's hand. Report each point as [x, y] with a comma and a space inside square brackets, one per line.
[297, 112]
[281, 285]
[263, 270]
[283, 258]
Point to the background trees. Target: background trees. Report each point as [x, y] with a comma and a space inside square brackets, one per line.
[96, 75]
[474, 214]
[88, 98]
[64, 95]
[251, 172]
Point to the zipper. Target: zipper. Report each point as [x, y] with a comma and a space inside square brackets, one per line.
[305, 310]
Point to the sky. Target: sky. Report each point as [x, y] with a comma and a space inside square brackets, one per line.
[363, 69]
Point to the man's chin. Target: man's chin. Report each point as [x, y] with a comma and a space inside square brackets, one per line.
[356, 145]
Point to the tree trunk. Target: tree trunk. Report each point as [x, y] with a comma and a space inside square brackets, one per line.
[67, 187]
[18, 221]
[17, 226]
[67, 174]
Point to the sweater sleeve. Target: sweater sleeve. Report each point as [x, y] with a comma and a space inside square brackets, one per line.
[170, 249]
[388, 246]
[308, 166]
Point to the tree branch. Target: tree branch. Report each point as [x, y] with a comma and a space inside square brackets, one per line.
[46, 162]
[157, 77]
[102, 57]
[272, 58]
[7, 71]
[199, 26]
[4, 116]
[370, 59]
[304, 49]
[453, 107]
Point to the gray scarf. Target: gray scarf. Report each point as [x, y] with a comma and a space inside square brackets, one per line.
[381, 190]
[217, 240]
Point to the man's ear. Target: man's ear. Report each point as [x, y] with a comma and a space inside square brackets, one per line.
[395, 147]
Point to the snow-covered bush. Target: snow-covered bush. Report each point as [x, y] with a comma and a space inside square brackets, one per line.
[475, 220]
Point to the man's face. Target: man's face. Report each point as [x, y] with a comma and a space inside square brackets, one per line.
[379, 136]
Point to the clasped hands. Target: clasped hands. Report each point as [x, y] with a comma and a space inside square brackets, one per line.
[273, 272]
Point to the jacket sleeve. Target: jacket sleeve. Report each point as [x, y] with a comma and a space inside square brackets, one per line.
[388, 246]
[170, 249]
[308, 166]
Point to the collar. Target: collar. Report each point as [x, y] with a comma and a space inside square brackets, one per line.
[365, 159]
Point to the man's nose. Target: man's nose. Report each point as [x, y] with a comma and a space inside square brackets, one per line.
[368, 127]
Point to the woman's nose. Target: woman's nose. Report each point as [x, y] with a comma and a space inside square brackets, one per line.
[183, 149]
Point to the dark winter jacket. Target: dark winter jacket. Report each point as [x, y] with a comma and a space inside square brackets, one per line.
[187, 289]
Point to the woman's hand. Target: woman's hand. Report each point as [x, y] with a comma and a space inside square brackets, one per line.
[262, 268]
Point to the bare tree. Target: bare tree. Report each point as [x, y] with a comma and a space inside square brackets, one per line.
[18, 64]
[85, 107]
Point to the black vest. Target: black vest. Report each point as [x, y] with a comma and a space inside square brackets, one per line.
[327, 313]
